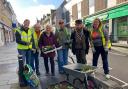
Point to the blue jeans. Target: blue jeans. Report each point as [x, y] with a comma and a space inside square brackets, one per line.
[34, 61]
[26, 55]
[62, 58]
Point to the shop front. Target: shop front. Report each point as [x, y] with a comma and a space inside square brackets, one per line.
[122, 28]
[117, 18]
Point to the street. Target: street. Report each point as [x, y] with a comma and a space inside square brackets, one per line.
[8, 68]
[118, 62]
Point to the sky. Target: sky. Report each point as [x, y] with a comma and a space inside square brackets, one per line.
[33, 9]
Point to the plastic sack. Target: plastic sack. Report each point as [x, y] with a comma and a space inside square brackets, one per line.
[31, 76]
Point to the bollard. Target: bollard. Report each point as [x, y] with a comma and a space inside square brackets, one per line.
[22, 80]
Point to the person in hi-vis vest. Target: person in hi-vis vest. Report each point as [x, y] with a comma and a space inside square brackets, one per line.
[35, 48]
[23, 39]
[99, 43]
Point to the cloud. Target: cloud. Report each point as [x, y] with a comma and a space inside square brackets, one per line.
[31, 12]
[35, 1]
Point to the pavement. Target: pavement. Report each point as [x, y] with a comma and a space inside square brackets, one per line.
[121, 44]
[122, 48]
[9, 66]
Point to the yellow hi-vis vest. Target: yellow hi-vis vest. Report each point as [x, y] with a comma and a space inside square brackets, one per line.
[103, 39]
[26, 37]
[35, 39]
[102, 35]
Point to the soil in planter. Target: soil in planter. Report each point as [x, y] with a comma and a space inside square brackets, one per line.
[86, 68]
[62, 85]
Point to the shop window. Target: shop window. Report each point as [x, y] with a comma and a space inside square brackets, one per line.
[122, 28]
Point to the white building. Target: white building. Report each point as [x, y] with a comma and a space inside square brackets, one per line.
[77, 10]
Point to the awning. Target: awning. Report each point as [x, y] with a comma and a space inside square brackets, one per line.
[118, 12]
[110, 13]
[102, 17]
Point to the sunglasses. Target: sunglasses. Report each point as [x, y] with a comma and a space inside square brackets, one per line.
[61, 22]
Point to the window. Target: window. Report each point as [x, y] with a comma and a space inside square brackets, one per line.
[122, 28]
[79, 10]
[91, 7]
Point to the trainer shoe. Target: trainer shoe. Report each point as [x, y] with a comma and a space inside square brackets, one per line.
[107, 76]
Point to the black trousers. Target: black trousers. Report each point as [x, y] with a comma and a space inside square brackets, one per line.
[104, 56]
[46, 60]
[81, 56]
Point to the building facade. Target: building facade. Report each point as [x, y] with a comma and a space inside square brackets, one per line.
[61, 13]
[7, 17]
[45, 20]
[112, 13]
[121, 1]
[100, 5]
[77, 10]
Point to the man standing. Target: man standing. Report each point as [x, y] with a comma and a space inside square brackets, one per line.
[63, 37]
[80, 42]
[35, 48]
[23, 40]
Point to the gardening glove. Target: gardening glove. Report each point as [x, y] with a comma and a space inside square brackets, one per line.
[34, 50]
[93, 50]
[106, 49]
[38, 50]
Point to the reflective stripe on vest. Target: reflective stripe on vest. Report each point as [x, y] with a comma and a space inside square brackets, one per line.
[26, 37]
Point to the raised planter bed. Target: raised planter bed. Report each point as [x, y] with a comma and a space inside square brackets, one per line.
[62, 85]
[92, 81]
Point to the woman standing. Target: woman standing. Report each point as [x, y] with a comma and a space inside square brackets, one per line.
[99, 43]
[47, 38]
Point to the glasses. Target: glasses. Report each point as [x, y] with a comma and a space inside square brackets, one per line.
[61, 22]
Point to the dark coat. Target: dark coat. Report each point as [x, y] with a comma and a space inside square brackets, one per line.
[87, 35]
[45, 41]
